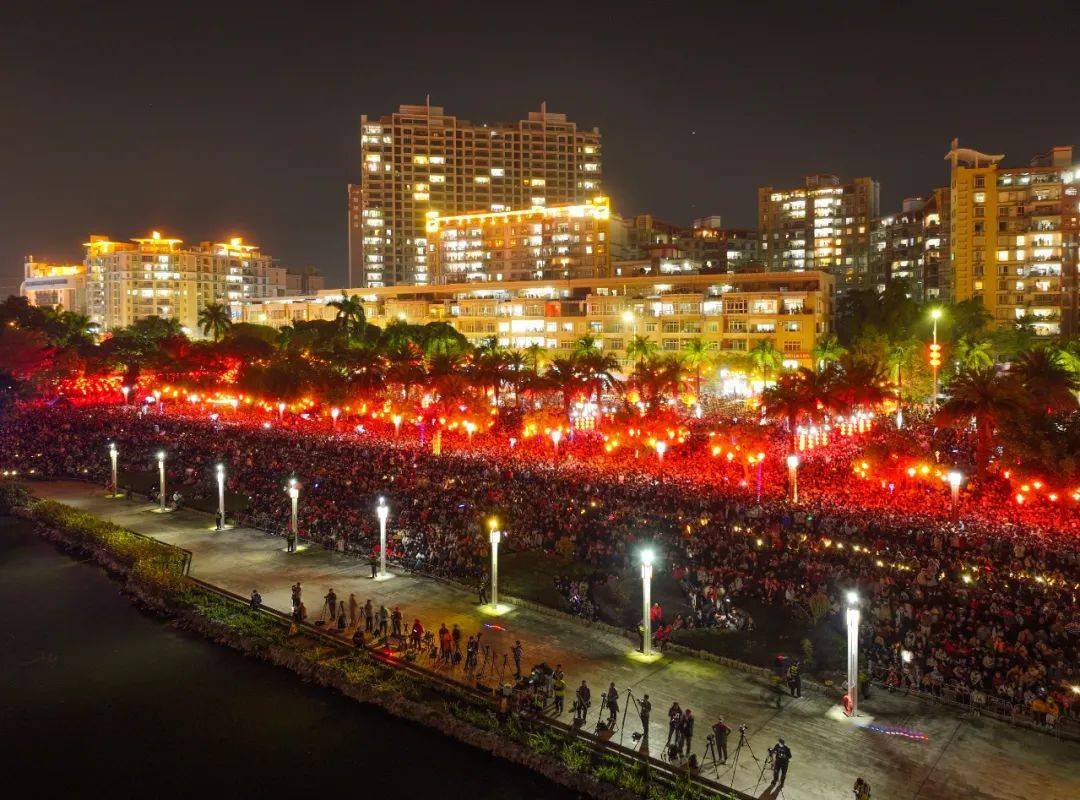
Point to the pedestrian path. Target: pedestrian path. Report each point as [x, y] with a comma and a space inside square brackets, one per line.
[960, 757]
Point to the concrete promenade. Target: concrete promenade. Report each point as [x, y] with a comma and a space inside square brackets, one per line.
[962, 757]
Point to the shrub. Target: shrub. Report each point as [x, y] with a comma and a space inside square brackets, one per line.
[14, 495]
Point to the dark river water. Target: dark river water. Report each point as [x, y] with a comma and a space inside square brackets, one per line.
[98, 699]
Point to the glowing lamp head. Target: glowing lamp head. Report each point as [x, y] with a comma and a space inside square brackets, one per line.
[556, 435]
[382, 510]
[955, 478]
[280, 406]
[852, 597]
[493, 523]
[628, 316]
[161, 455]
[112, 448]
[935, 314]
[647, 557]
[661, 447]
[792, 461]
[335, 412]
[906, 656]
[221, 470]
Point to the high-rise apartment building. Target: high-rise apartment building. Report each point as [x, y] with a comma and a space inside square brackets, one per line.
[823, 225]
[420, 160]
[912, 246]
[714, 248]
[1014, 236]
[159, 276]
[539, 243]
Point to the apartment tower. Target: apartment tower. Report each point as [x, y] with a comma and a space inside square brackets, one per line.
[1013, 237]
[823, 225]
[420, 162]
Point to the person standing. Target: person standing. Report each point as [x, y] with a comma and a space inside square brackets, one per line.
[256, 599]
[354, 610]
[781, 754]
[296, 590]
[686, 728]
[384, 620]
[611, 699]
[395, 621]
[331, 604]
[794, 679]
[721, 732]
[644, 710]
[481, 591]
[674, 715]
[584, 700]
[369, 617]
[517, 652]
[290, 541]
[559, 691]
[861, 789]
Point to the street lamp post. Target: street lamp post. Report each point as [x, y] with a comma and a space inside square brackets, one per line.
[935, 315]
[161, 478]
[853, 650]
[382, 511]
[793, 477]
[126, 390]
[335, 412]
[495, 537]
[661, 448]
[646, 601]
[114, 454]
[294, 496]
[280, 411]
[556, 437]
[955, 479]
[220, 496]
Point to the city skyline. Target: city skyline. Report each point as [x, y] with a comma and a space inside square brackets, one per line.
[280, 137]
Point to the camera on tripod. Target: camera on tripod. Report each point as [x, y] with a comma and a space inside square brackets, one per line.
[636, 736]
[742, 728]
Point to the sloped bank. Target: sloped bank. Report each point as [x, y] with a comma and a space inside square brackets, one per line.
[153, 576]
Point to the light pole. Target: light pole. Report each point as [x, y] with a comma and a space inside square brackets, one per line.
[126, 390]
[220, 496]
[793, 477]
[114, 454]
[556, 437]
[495, 537]
[661, 448]
[280, 411]
[294, 496]
[161, 477]
[853, 650]
[955, 479]
[935, 353]
[646, 601]
[335, 412]
[382, 511]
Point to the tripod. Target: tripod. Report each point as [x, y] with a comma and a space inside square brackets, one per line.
[710, 750]
[738, 752]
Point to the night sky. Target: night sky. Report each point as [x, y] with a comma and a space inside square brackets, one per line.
[208, 121]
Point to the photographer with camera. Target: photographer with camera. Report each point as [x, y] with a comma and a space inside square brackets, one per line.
[611, 700]
[674, 715]
[644, 710]
[780, 754]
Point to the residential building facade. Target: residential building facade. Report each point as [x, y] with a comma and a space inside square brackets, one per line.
[160, 276]
[539, 243]
[51, 285]
[822, 225]
[731, 313]
[420, 159]
[1014, 236]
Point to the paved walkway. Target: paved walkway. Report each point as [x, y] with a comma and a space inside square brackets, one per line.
[961, 758]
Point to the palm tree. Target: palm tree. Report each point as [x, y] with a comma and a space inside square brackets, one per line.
[350, 315]
[899, 355]
[861, 381]
[596, 370]
[988, 398]
[974, 353]
[641, 349]
[214, 320]
[563, 376]
[1046, 379]
[657, 378]
[791, 398]
[697, 356]
[535, 357]
[586, 344]
[766, 358]
[827, 350]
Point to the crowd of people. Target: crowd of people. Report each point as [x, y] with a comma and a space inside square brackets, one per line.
[983, 606]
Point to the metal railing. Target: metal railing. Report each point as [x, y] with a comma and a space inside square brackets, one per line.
[657, 769]
[977, 702]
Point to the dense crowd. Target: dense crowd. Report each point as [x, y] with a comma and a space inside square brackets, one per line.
[984, 606]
